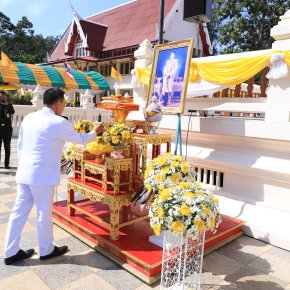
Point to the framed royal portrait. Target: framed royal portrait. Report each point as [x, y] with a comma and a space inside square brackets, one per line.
[169, 77]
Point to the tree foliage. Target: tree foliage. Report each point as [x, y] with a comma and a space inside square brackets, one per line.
[245, 25]
[21, 44]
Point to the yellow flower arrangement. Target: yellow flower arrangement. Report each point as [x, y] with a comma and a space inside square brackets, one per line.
[99, 146]
[118, 134]
[84, 126]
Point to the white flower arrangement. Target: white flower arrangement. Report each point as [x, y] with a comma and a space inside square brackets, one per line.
[68, 156]
[186, 207]
[167, 171]
[180, 203]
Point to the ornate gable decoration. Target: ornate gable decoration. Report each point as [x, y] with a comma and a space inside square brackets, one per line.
[75, 30]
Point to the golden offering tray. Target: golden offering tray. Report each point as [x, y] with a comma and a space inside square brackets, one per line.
[94, 193]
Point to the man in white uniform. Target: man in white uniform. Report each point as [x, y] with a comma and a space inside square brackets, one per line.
[40, 144]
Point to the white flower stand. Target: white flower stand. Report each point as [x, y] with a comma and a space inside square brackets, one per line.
[182, 261]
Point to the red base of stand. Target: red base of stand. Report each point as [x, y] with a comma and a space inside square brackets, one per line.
[132, 251]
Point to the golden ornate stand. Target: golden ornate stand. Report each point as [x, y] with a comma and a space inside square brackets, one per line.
[140, 148]
[114, 202]
[80, 158]
[115, 173]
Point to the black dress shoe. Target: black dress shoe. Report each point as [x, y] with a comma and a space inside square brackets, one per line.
[58, 251]
[7, 167]
[19, 256]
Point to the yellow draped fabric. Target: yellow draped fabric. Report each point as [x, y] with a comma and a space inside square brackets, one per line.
[230, 72]
[40, 75]
[143, 74]
[224, 72]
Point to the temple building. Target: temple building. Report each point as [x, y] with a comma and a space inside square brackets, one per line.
[110, 38]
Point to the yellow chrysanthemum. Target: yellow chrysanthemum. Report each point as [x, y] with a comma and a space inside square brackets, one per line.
[178, 158]
[113, 131]
[176, 177]
[165, 169]
[157, 229]
[160, 212]
[155, 202]
[184, 168]
[146, 174]
[161, 161]
[199, 192]
[160, 177]
[188, 194]
[185, 210]
[199, 224]
[174, 163]
[169, 154]
[185, 185]
[120, 125]
[178, 226]
[214, 199]
[149, 188]
[165, 194]
[125, 135]
[207, 211]
[72, 155]
[115, 139]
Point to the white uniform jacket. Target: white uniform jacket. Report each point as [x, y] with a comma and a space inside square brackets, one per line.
[40, 144]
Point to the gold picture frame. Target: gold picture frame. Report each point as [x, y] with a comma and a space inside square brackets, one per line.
[169, 77]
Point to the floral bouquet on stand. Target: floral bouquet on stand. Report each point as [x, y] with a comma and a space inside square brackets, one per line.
[100, 148]
[118, 135]
[186, 207]
[182, 210]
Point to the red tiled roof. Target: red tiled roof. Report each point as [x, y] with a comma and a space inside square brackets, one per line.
[128, 25]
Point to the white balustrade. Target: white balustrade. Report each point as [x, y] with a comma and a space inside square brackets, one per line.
[74, 115]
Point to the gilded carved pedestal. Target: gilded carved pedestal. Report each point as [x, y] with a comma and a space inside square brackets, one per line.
[141, 143]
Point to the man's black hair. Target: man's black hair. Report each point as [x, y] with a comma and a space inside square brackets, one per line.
[52, 95]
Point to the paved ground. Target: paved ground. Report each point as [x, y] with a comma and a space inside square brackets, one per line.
[243, 264]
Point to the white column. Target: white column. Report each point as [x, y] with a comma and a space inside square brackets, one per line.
[37, 100]
[144, 57]
[278, 94]
[87, 100]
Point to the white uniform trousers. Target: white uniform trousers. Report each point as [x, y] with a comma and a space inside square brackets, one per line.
[27, 195]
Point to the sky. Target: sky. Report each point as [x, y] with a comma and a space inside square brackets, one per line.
[52, 17]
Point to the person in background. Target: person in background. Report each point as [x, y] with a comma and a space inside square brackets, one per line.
[40, 143]
[6, 113]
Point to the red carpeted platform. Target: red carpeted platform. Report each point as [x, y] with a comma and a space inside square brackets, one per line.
[132, 251]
